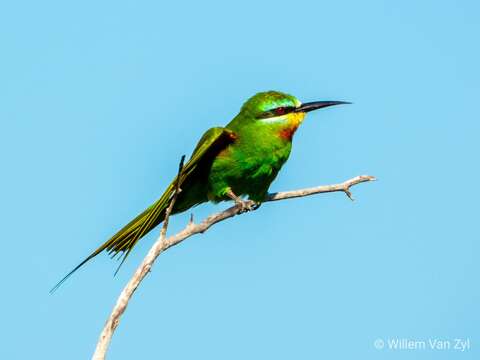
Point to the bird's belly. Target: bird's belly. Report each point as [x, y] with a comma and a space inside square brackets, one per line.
[245, 173]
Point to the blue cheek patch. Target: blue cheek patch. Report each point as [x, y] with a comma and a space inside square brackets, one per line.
[275, 120]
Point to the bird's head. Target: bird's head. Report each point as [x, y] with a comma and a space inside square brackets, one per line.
[274, 107]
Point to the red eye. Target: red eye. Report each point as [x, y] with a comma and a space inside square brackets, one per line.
[280, 110]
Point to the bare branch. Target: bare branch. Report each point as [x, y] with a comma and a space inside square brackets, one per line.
[140, 273]
[164, 243]
[344, 187]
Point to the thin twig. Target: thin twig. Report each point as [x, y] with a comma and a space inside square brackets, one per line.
[344, 187]
[164, 243]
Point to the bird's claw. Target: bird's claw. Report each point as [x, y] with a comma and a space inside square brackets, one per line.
[256, 205]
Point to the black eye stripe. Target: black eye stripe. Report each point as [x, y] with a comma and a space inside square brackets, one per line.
[279, 111]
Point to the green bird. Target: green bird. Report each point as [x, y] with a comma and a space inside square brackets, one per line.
[228, 163]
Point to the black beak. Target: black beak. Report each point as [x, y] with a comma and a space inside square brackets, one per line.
[310, 106]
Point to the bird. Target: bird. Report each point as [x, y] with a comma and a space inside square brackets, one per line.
[229, 163]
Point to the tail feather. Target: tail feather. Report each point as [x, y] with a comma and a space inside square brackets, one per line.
[213, 141]
[124, 240]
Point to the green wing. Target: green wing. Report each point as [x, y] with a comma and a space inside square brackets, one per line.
[211, 143]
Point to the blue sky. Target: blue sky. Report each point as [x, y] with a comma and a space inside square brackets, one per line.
[100, 100]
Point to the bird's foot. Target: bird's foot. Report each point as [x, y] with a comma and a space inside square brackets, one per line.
[246, 205]
[243, 205]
